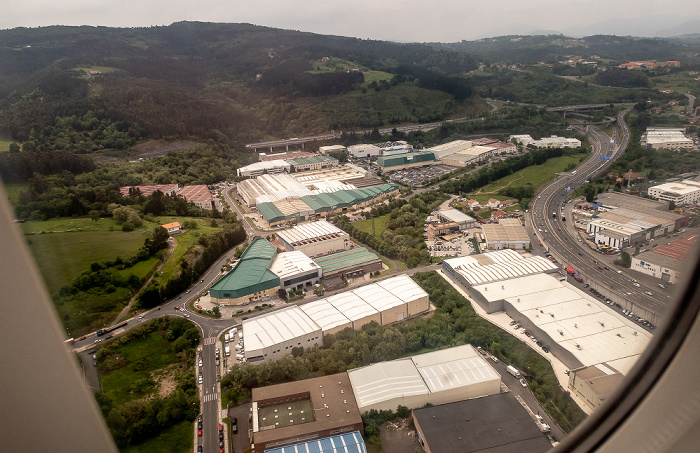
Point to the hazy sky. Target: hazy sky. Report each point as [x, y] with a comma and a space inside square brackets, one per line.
[399, 20]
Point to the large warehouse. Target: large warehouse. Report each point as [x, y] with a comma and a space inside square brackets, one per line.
[453, 215]
[507, 234]
[251, 278]
[349, 263]
[438, 377]
[314, 239]
[295, 270]
[272, 336]
[312, 409]
[578, 329]
[385, 302]
[495, 423]
[407, 160]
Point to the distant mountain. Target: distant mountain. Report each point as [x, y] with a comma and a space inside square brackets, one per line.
[643, 27]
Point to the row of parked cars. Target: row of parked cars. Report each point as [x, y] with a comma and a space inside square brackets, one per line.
[525, 332]
[234, 429]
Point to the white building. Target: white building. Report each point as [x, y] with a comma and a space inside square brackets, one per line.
[547, 142]
[355, 309]
[273, 335]
[507, 234]
[453, 215]
[315, 238]
[439, 377]
[667, 138]
[327, 316]
[391, 148]
[295, 270]
[452, 147]
[268, 166]
[331, 149]
[682, 192]
[364, 150]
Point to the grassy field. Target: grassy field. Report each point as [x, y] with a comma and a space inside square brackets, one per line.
[13, 190]
[177, 439]
[379, 225]
[129, 377]
[537, 175]
[184, 241]
[61, 257]
[5, 145]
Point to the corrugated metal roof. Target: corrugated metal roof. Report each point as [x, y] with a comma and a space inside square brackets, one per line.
[309, 232]
[403, 287]
[454, 367]
[345, 259]
[251, 274]
[277, 327]
[351, 306]
[299, 161]
[341, 443]
[325, 315]
[292, 263]
[385, 381]
[379, 298]
[270, 212]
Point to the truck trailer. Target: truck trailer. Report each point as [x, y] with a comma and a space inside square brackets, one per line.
[514, 371]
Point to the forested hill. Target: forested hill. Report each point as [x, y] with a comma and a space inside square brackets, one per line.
[221, 82]
[552, 48]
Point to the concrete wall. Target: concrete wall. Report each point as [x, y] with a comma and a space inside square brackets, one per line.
[394, 314]
[279, 350]
[419, 305]
[358, 323]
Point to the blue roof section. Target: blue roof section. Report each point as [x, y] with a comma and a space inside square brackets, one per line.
[341, 443]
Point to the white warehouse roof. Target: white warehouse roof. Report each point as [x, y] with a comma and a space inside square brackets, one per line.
[453, 215]
[325, 315]
[308, 232]
[591, 331]
[437, 377]
[387, 381]
[499, 265]
[277, 327]
[379, 298]
[351, 305]
[403, 287]
[453, 368]
[289, 264]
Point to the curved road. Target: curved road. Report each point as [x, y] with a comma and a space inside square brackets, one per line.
[560, 239]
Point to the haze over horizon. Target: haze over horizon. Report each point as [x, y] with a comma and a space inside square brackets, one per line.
[393, 20]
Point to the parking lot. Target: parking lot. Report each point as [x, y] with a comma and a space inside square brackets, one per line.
[417, 176]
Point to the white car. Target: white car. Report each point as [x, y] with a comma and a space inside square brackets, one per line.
[523, 382]
[200, 363]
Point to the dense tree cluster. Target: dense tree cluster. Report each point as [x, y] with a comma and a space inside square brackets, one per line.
[403, 237]
[622, 78]
[138, 420]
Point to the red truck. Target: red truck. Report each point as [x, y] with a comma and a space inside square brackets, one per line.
[569, 270]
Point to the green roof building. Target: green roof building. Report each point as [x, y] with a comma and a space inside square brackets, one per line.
[251, 278]
[312, 163]
[406, 160]
[355, 261]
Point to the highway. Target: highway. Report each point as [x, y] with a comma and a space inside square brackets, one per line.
[561, 240]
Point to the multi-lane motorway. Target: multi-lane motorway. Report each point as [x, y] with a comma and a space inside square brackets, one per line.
[560, 239]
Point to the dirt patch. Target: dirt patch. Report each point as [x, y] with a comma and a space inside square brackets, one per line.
[155, 148]
[399, 436]
[165, 380]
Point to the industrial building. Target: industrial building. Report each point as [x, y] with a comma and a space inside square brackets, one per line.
[148, 190]
[442, 229]
[326, 316]
[278, 186]
[314, 238]
[396, 147]
[546, 142]
[283, 156]
[251, 278]
[666, 262]
[440, 151]
[453, 215]
[666, 138]
[680, 193]
[264, 166]
[407, 160]
[351, 442]
[296, 270]
[384, 302]
[199, 195]
[349, 263]
[364, 151]
[508, 234]
[438, 377]
[312, 163]
[492, 423]
[469, 271]
[309, 410]
[631, 227]
[578, 329]
[272, 336]
[594, 384]
[281, 212]
[331, 149]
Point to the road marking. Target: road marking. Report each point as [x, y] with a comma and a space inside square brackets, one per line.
[209, 340]
[210, 397]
